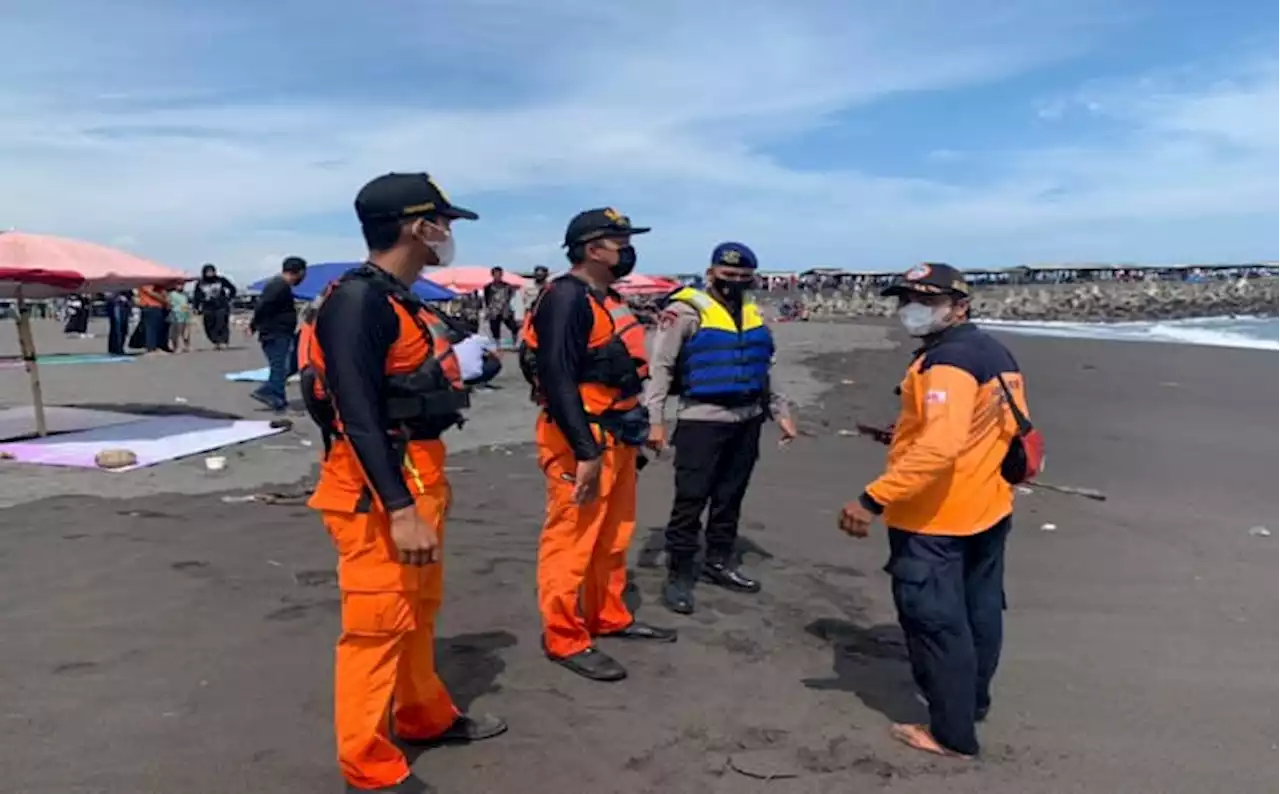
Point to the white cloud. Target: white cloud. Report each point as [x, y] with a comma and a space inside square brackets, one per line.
[158, 132]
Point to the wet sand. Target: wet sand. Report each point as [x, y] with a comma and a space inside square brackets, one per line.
[165, 640]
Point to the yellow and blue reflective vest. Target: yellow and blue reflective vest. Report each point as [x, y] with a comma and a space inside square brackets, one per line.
[722, 363]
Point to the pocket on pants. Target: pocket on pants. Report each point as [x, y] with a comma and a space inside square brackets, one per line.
[378, 614]
[916, 593]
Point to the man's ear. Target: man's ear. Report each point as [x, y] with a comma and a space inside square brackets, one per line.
[426, 230]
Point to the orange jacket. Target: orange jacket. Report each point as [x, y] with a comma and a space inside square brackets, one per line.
[617, 342]
[943, 473]
[421, 344]
[152, 298]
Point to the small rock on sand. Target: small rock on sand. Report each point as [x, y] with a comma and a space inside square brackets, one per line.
[115, 458]
[1048, 527]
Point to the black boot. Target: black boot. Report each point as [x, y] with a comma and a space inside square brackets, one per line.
[682, 577]
[727, 575]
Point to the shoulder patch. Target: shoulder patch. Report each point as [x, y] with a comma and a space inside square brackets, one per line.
[667, 319]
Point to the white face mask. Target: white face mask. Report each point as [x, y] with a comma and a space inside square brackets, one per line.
[443, 249]
[921, 320]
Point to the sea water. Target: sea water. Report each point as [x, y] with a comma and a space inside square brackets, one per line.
[1262, 333]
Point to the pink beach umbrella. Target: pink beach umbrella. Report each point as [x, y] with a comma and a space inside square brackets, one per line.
[641, 284]
[468, 278]
[36, 266]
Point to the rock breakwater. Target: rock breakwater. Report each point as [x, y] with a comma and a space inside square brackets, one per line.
[1092, 302]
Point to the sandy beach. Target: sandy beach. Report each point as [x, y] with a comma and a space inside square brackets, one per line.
[161, 639]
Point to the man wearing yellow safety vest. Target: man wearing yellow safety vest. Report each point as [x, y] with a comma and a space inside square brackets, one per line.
[714, 350]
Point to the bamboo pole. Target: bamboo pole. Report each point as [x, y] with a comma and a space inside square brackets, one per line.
[27, 343]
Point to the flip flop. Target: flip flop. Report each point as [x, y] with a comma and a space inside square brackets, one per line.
[918, 737]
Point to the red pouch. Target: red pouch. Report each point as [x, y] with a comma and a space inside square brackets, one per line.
[1025, 459]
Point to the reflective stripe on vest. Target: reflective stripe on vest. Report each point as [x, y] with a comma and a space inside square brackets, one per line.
[722, 360]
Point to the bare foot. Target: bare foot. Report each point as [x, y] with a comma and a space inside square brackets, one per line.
[918, 737]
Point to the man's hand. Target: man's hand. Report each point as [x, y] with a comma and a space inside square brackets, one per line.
[855, 519]
[882, 435]
[657, 438]
[787, 426]
[586, 481]
[416, 541]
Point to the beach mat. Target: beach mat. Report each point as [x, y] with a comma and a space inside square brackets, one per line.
[153, 440]
[21, 421]
[254, 376]
[249, 376]
[14, 362]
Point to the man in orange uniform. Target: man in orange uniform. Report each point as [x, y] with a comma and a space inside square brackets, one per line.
[583, 351]
[947, 498]
[380, 378]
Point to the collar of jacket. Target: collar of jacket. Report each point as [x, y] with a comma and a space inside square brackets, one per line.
[949, 333]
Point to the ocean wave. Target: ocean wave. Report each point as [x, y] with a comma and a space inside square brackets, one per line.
[1257, 333]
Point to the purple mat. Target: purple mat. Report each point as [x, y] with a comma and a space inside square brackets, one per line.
[152, 439]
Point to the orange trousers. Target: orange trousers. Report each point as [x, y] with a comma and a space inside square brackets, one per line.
[386, 653]
[582, 554]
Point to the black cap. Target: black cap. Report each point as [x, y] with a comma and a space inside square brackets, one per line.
[598, 224]
[398, 196]
[293, 264]
[930, 278]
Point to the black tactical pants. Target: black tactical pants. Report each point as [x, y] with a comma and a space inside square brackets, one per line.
[713, 466]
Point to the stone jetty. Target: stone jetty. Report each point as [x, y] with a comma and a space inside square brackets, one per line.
[1089, 302]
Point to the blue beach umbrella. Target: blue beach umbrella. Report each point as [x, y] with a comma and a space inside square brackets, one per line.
[321, 275]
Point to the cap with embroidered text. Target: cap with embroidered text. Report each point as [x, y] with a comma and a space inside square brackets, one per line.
[734, 255]
[598, 224]
[400, 196]
[929, 278]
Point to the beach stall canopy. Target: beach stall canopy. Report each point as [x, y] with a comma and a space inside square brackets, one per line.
[37, 266]
[321, 275]
[468, 278]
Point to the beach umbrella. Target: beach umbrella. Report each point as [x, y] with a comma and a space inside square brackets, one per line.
[37, 266]
[323, 274]
[468, 278]
[641, 284]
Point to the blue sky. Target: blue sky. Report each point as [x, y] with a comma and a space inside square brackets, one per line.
[832, 133]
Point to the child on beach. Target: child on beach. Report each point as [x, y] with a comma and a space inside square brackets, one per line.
[179, 320]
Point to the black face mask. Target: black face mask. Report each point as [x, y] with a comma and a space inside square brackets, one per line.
[733, 290]
[626, 262]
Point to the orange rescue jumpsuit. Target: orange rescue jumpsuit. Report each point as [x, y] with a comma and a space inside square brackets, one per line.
[582, 553]
[386, 650]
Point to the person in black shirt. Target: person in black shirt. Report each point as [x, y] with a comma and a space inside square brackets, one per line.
[119, 312]
[275, 319]
[212, 300]
[498, 309]
[382, 490]
[588, 371]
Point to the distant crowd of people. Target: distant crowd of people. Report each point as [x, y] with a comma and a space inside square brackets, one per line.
[158, 317]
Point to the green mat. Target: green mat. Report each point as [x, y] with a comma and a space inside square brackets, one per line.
[68, 358]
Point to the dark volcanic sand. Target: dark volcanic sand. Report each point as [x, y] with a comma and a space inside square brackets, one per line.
[180, 644]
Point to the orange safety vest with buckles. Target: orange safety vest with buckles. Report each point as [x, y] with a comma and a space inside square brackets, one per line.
[426, 394]
[617, 363]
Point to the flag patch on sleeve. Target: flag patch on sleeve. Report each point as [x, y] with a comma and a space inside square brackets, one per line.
[935, 397]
